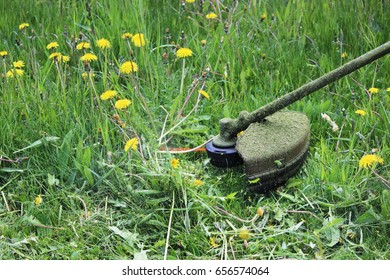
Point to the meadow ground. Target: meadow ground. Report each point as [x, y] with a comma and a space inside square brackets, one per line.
[93, 94]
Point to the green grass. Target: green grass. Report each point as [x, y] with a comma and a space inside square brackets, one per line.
[60, 141]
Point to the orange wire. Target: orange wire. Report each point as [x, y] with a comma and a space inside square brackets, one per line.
[182, 149]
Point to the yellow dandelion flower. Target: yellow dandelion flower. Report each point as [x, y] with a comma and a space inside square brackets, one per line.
[18, 64]
[52, 45]
[131, 144]
[213, 243]
[183, 52]
[85, 75]
[38, 200]
[3, 54]
[23, 25]
[211, 16]
[198, 182]
[104, 44]
[369, 160]
[175, 163]
[361, 112]
[127, 35]
[122, 103]
[88, 57]
[190, 1]
[263, 16]
[244, 234]
[65, 58]
[14, 72]
[205, 94]
[108, 94]
[138, 40]
[388, 89]
[373, 90]
[83, 45]
[344, 55]
[128, 67]
[55, 55]
[203, 42]
[260, 211]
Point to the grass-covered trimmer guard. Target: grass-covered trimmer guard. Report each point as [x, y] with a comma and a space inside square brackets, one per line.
[275, 144]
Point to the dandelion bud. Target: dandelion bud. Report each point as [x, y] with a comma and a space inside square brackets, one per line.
[244, 234]
[226, 27]
[260, 211]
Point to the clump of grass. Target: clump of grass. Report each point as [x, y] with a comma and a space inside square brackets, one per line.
[93, 104]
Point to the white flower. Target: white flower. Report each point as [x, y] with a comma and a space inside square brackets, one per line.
[334, 126]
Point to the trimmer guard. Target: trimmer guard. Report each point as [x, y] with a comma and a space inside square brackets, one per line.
[273, 150]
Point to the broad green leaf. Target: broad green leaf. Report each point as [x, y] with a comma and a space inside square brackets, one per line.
[63, 153]
[231, 195]
[88, 175]
[28, 240]
[331, 230]
[32, 220]
[226, 111]
[39, 142]
[279, 215]
[368, 217]
[334, 236]
[86, 161]
[294, 182]
[87, 28]
[130, 237]
[117, 203]
[146, 192]
[289, 197]
[78, 166]
[79, 152]
[385, 204]
[140, 255]
[74, 255]
[297, 226]
[159, 243]
[51, 180]
[333, 222]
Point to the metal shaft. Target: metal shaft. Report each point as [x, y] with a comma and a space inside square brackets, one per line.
[230, 127]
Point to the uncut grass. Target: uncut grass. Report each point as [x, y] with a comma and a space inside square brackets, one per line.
[108, 204]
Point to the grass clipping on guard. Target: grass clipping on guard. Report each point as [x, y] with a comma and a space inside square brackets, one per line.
[274, 149]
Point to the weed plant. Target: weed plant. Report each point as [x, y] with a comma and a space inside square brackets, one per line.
[102, 103]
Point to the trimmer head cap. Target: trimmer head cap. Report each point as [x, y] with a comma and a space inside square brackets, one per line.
[223, 156]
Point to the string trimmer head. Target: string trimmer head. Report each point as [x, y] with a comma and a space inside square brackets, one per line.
[274, 144]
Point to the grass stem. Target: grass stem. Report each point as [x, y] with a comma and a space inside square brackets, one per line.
[169, 227]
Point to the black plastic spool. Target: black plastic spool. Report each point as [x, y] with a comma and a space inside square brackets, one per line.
[223, 157]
